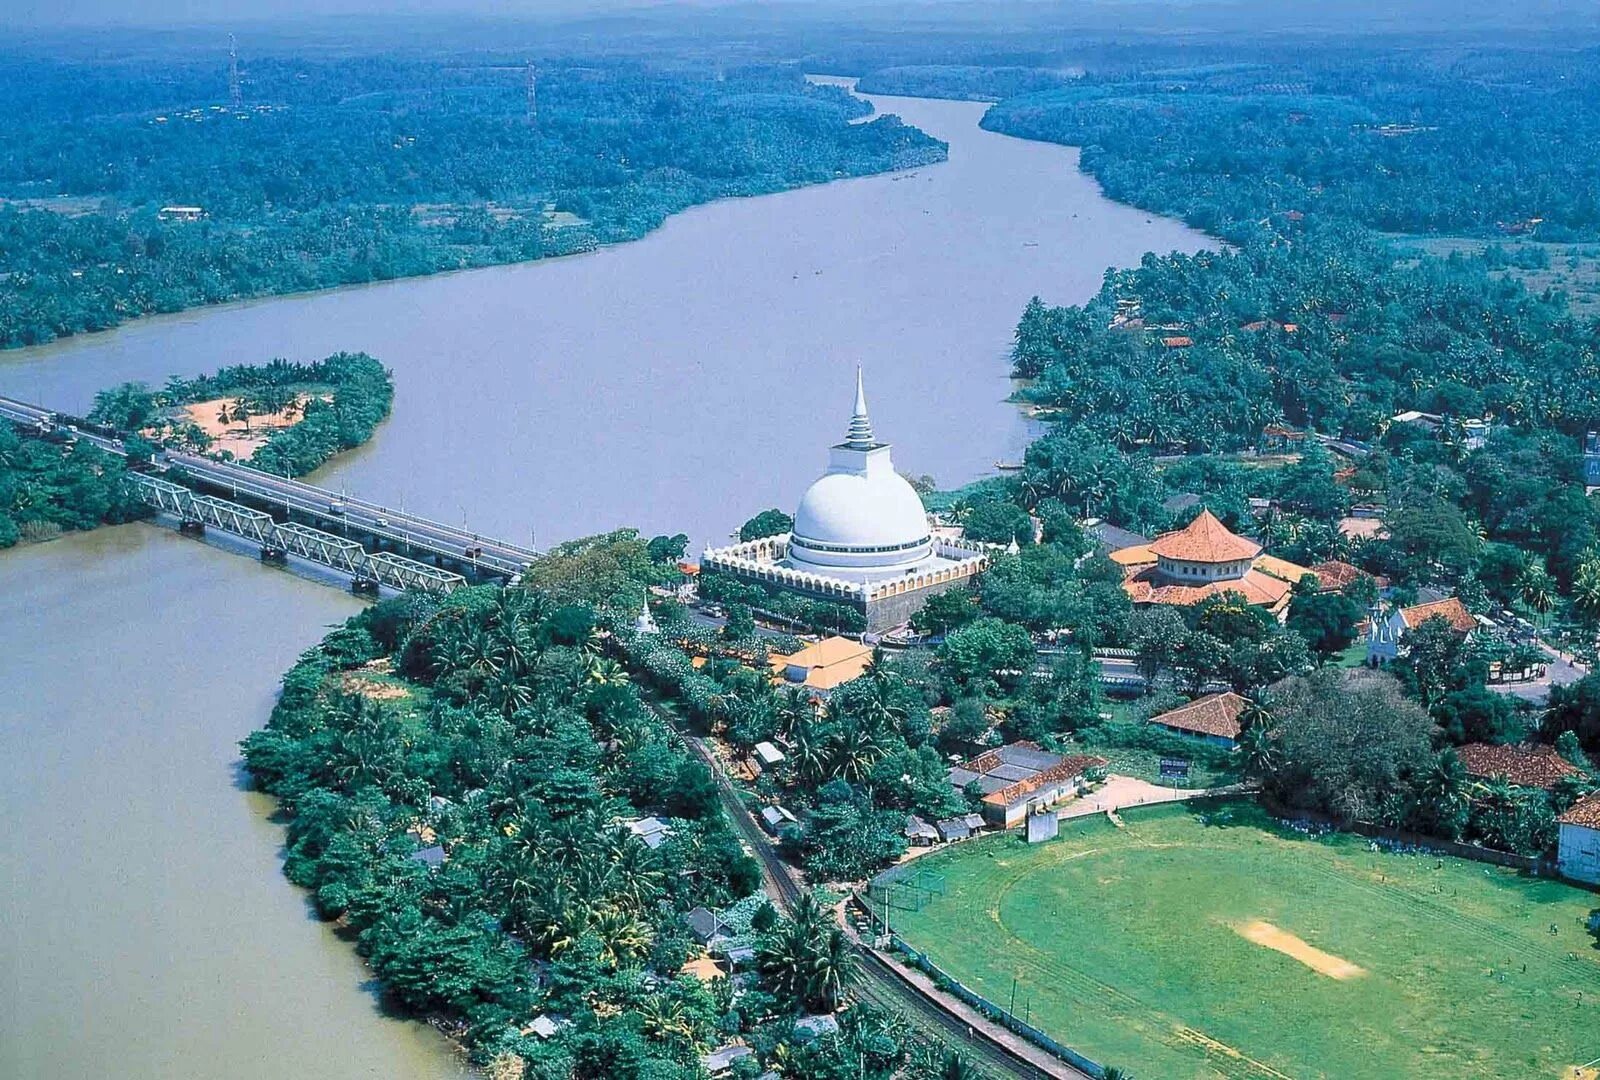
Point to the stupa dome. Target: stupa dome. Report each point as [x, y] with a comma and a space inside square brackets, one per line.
[861, 516]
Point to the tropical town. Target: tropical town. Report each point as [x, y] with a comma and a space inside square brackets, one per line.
[944, 550]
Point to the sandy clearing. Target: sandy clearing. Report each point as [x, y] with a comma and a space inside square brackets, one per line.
[1264, 933]
[237, 439]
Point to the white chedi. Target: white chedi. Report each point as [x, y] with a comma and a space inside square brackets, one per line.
[861, 520]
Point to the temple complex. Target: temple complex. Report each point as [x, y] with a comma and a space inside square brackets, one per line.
[861, 538]
[1203, 559]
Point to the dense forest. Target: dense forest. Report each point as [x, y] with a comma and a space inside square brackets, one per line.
[1481, 142]
[459, 777]
[344, 171]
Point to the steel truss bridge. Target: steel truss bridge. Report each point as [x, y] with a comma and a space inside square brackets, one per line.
[375, 545]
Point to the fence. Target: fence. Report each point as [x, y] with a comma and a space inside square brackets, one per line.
[1436, 845]
[924, 963]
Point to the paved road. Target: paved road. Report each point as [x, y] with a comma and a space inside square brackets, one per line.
[327, 507]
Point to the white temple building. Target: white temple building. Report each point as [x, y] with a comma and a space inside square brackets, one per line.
[860, 537]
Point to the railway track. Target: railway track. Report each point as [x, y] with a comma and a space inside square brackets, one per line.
[878, 984]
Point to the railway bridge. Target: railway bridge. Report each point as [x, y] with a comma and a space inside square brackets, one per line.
[376, 545]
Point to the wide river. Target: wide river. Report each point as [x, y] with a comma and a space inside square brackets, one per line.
[677, 384]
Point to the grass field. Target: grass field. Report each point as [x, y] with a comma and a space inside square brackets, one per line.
[1216, 944]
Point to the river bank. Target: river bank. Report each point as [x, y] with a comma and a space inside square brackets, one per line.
[681, 382]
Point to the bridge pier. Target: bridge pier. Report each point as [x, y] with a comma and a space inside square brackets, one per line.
[192, 527]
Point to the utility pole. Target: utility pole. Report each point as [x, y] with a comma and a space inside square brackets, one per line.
[533, 96]
[235, 87]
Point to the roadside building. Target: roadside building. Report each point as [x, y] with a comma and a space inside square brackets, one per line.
[1530, 765]
[1205, 558]
[1578, 845]
[1215, 718]
[824, 666]
[776, 818]
[1019, 776]
[959, 828]
[919, 833]
[721, 1061]
[1386, 632]
[181, 213]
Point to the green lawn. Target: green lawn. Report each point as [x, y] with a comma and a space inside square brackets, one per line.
[1126, 944]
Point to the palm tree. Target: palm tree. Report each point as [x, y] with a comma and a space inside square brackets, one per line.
[1586, 585]
[1258, 751]
[830, 970]
[1536, 589]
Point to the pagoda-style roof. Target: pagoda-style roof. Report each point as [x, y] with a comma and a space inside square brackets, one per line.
[1204, 540]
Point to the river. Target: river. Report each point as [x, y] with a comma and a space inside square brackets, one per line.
[679, 383]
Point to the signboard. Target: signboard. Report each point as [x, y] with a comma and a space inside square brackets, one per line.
[1174, 768]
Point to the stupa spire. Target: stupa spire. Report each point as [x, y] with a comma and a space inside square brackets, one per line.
[859, 434]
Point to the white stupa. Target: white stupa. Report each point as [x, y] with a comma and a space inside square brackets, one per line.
[861, 521]
[860, 537]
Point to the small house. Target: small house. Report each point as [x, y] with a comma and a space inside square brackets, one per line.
[1530, 765]
[1578, 842]
[1215, 718]
[952, 829]
[768, 754]
[1385, 632]
[776, 818]
[651, 831]
[432, 857]
[546, 1026]
[705, 925]
[721, 1061]
[811, 1027]
[919, 833]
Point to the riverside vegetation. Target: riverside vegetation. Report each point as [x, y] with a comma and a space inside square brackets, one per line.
[457, 776]
[345, 170]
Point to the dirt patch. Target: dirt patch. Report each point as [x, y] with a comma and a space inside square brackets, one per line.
[1580, 1072]
[235, 436]
[354, 682]
[1264, 933]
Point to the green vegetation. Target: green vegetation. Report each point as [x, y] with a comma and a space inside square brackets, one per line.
[457, 776]
[1469, 144]
[1126, 944]
[972, 82]
[356, 169]
[48, 487]
[336, 404]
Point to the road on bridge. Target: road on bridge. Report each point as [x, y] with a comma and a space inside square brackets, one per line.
[342, 512]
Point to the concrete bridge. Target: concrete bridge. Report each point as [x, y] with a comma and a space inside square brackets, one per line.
[376, 545]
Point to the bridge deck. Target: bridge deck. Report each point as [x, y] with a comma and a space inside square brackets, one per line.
[255, 497]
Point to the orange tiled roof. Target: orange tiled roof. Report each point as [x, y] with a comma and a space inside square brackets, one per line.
[1179, 342]
[1451, 610]
[1148, 587]
[1334, 575]
[1137, 555]
[1535, 765]
[1204, 540]
[1585, 812]
[1065, 769]
[829, 663]
[1214, 714]
[1282, 569]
